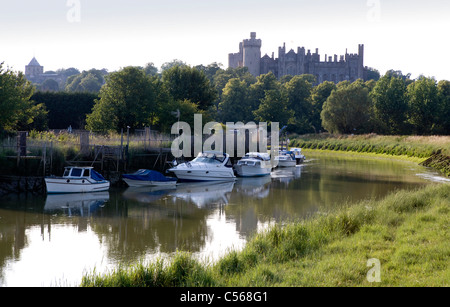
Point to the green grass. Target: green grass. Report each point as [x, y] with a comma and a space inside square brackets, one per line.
[408, 232]
[411, 146]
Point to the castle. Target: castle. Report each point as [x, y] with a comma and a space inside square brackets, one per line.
[349, 67]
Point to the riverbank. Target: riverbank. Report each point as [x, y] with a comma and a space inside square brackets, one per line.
[430, 151]
[406, 233]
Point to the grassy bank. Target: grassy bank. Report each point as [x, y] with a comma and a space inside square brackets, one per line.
[434, 149]
[407, 232]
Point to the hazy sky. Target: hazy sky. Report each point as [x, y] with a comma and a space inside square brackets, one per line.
[411, 36]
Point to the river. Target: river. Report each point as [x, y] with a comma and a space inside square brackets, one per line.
[53, 240]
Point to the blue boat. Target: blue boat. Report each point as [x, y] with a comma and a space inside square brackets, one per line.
[145, 177]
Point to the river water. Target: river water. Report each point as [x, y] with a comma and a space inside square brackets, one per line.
[53, 240]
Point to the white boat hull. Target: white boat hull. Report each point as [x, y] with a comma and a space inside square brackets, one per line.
[64, 185]
[144, 183]
[282, 163]
[204, 174]
[251, 171]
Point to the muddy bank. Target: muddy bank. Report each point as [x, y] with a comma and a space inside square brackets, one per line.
[439, 162]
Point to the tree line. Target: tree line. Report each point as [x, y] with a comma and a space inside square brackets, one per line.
[137, 97]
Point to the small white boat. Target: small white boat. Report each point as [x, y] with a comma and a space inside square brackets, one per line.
[145, 177]
[254, 164]
[207, 166]
[77, 180]
[286, 159]
[298, 155]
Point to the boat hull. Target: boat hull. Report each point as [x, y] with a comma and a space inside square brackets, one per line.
[64, 185]
[204, 175]
[287, 163]
[145, 183]
[251, 171]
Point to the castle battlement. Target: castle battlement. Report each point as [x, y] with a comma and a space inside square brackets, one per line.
[348, 67]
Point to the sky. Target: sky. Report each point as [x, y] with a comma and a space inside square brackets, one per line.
[410, 36]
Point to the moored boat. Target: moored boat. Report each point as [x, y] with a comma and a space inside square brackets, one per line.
[77, 180]
[207, 166]
[145, 177]
[286, 159]
[299, 157]
[254, 164]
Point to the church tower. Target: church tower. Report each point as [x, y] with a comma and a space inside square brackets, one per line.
[34, 69]
[252, 54]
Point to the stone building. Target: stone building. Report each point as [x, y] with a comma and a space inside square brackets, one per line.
[34, 73]
[34, 69]
[346, 67]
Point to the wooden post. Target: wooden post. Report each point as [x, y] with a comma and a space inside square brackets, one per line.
[84, 142]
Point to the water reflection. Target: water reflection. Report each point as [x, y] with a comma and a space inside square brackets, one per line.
[127, 225]
[75, 204]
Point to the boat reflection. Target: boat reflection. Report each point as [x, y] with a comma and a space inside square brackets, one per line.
[287, 174]
[80, 204]
[257, 187]
[147, 194]
[204, 194]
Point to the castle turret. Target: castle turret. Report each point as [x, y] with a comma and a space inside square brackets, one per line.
[361, 62]
[252, 54]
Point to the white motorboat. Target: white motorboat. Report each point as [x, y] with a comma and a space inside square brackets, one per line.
[299, 157]
[207, 166]
[145, 177]
[77, 180]
[254, 164]
[286, 159]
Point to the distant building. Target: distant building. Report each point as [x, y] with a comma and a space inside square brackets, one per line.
[346, 67]
[34, 73]
[34, 69]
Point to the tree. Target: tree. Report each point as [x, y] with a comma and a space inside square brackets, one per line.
[274, 108]
[319, 95]
[423, 105]
[18, 111]
[129, 98]
[49, 85]
[390, 104]
[444, 109]
[187, 83]
[234, 106]
[347, 110]
[150, 69]
[88, 81]
[173, 63]
[298, 91]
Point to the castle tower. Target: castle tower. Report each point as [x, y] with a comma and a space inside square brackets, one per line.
[34, 69]
[361, 62]
[252, 54]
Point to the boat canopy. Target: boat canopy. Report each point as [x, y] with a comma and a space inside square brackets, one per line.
[148, 175]
[96, 176]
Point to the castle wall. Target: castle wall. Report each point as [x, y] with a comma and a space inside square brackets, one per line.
[348, 67]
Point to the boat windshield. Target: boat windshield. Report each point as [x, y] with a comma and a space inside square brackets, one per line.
[209, 158]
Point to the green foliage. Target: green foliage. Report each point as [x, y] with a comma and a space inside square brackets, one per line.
[129, 98]
[66, 109]
[234, 105]
[347, 110]
[184, 82]
[299, 91]
[18, 111]
[87, 82]
[274, 108]
[390, 104]
[423, 105]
